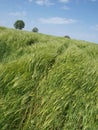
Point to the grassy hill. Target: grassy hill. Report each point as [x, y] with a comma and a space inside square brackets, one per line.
[47, 82]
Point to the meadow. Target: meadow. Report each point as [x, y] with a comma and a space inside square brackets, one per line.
[47, 82]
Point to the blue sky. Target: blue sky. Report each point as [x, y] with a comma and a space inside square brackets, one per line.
[76, 18]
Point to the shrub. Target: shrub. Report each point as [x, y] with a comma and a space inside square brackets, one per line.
[66, 36]
[35, 29]
[19, 24]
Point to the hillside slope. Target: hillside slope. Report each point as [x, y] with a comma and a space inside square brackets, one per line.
[47, 82]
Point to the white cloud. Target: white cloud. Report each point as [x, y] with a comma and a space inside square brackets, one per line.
[95, 27]
[57, 20]
[65, 7]
[18, 14]
[64, 1]
[30, 0]
[44, 2]
[93, 0]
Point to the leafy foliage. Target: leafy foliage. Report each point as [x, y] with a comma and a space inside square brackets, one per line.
[19, 24]
[35, 29]
[66, 36]
[52, 85]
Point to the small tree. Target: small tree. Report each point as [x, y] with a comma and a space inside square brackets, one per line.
[35, 29]
[19, 24]
[66, 36]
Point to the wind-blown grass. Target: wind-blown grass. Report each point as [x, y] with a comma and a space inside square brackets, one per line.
[47, 83]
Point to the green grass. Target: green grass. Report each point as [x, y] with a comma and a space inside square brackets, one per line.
[47, 82]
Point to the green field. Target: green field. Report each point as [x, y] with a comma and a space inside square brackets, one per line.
[47, 82]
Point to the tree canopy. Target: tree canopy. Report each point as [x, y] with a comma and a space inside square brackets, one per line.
[19, 24]
[35, 29]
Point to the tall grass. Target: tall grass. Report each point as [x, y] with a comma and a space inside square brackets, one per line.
[47, 83]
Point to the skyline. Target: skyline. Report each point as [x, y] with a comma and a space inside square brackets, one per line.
[76, 18]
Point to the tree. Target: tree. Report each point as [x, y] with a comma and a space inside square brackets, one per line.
[35, 29]
[19, 24]
[66, 36]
